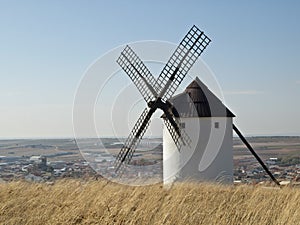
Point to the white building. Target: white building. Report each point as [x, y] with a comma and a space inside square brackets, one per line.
[208, 123]
[39, 159]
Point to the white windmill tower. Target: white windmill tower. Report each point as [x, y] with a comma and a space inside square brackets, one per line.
[208, 123]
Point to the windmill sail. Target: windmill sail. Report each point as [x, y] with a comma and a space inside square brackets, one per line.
[184, 57]
[138, 73]
[126, 153]
[180, 138]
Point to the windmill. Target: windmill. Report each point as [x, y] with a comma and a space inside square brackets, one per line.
[157, 92]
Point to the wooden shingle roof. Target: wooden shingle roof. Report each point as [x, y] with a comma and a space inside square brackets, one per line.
[198, 101]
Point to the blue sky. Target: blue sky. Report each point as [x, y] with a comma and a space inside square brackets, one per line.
[46, 46]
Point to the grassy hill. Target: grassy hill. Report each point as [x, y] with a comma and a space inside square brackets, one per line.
[101, 202]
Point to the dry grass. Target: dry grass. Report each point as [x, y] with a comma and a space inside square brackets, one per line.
[100, 202]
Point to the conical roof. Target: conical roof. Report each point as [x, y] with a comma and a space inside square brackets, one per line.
[198, 101]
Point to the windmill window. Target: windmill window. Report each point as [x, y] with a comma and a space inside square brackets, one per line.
[217, 125]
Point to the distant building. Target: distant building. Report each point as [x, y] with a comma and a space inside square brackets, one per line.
[58, 165]
[39, 161]
[272, 161]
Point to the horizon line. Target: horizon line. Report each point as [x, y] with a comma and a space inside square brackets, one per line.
[123, 137]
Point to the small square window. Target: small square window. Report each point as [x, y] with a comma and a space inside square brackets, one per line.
[217, 125]
[182, 125]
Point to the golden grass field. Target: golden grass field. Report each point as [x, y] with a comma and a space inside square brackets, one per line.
[102, 202]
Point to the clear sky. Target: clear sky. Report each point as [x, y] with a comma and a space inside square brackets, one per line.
[47, 45]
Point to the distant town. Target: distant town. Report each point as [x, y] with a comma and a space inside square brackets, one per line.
[280, 154]
[46, 160]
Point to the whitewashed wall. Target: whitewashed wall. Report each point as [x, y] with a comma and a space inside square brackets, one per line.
[210, 156]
